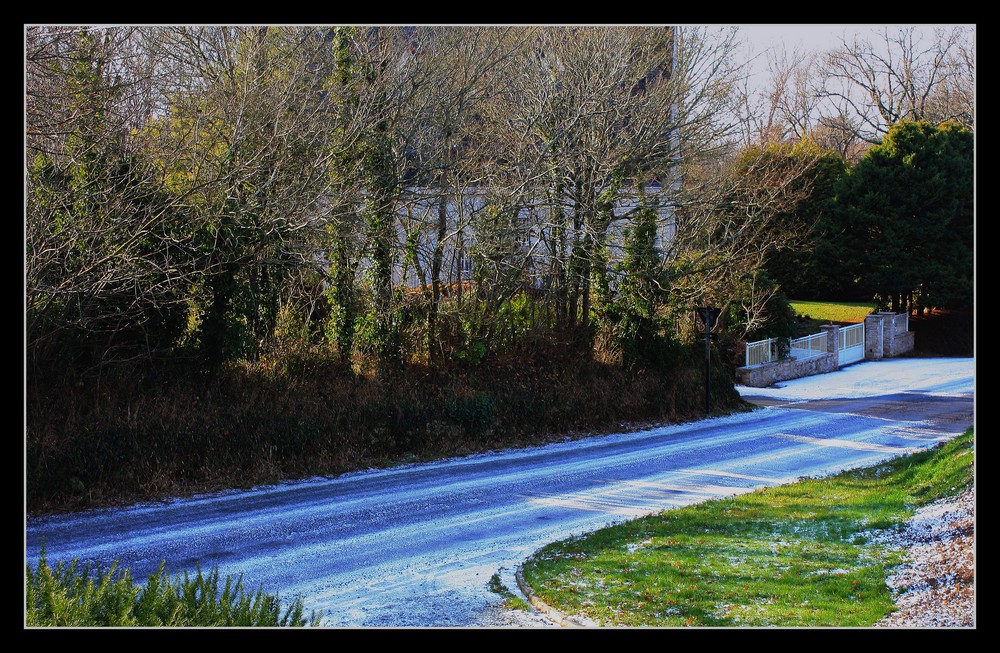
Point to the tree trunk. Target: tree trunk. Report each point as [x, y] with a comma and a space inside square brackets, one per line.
[433, 341]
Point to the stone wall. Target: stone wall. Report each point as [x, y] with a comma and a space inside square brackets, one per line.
[761, 376]
[886, 335]
[903, 343]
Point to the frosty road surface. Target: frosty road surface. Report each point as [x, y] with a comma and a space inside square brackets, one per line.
[416, 546]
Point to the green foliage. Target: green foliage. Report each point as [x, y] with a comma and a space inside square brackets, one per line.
[511, 601]
[472, 353]
[378, 333]
[904, 224]
[75, 596]
[788, 556]
[475, 413]
[291, 332]
[802, 269]
[341, 292]
[631, 309]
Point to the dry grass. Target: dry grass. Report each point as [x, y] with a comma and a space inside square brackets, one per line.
[140, 437]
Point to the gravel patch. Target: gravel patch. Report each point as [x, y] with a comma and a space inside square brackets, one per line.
[936, 587]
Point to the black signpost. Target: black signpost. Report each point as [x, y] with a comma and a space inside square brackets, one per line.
[709, 315]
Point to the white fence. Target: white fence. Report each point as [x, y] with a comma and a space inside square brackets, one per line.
[808, 346]
[774, 349]
[851, 347]
[763, 351]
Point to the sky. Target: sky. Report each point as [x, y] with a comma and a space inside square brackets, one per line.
[808, 37]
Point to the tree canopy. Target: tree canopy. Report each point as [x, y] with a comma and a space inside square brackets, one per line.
[905, 217]
[396, 194]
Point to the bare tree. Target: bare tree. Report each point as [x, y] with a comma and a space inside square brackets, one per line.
[449, 151]
[955, 98]
[244, 138]
[594, 115]
[733, 216]
[174, 159]
[100, 278]
[784, 107]
[897, 74]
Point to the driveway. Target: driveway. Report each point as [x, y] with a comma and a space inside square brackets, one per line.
[416, 546]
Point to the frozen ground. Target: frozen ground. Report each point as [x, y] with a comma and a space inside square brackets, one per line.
[941, 376]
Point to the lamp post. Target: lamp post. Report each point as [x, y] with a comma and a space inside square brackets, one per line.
[709, 315]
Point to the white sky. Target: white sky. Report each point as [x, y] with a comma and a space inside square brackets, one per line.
[808, 37]
[805, 37]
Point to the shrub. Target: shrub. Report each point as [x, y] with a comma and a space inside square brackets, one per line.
[71, 595]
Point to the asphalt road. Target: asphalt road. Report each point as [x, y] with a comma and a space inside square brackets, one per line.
[416, 546]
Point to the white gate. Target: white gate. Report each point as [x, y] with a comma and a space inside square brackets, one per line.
[852, 344]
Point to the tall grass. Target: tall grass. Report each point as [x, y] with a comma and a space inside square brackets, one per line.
[803, 554]
[84, 596]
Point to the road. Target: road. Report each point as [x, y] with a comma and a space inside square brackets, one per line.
[416, 546]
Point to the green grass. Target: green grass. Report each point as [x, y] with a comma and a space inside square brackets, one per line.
[511, 600]
[69, 594]
[839, 312]
[799, 555]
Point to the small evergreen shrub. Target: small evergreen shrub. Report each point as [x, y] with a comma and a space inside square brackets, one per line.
[85, 596]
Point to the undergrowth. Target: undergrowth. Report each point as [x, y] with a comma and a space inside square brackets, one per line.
[511, 600]
[74, 595]
[143, 435]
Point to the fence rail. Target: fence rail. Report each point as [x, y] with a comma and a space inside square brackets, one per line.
[775, 349]
[808, 346]
[763, 351]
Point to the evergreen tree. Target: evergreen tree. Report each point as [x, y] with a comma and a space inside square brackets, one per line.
[905, 218]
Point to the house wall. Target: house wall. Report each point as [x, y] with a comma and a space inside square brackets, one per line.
[533, 224]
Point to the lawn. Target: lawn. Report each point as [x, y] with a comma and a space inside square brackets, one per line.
[838, 312]
[804, 554]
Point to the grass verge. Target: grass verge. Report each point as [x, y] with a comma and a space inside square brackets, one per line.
[511, 600]
[69, 594]
[799, 555]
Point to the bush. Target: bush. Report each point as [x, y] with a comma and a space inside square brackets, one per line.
[71, 595]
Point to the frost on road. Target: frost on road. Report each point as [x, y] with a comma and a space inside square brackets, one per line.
[416, 546]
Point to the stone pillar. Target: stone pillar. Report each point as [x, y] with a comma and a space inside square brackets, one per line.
[889, 334]
[874, 341]
[833, 343]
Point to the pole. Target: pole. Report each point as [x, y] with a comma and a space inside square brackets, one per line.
[708, 315]
[708, 372]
